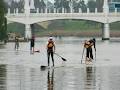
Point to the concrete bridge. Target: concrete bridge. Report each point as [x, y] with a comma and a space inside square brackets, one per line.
[28, 18]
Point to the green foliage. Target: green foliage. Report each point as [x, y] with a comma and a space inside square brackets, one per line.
[3, 21]
[115, 26]
[91, 5]
[99, 5]
[76, 25]
[16, 28]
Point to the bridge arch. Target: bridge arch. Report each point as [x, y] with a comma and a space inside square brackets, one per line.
[114, 21]
[77, 30]
[51, 19]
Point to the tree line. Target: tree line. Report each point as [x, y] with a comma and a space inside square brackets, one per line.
[59, 4]
[3, 22]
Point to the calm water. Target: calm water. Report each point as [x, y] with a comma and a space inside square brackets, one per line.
[20, 70]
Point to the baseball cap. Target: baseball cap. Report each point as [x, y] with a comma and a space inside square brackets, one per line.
[50, 38]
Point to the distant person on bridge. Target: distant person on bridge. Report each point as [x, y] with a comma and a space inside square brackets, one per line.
[88, 45]
[50, 50]
[16, 42]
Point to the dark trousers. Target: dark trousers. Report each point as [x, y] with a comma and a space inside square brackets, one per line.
[50, 53]
[16, 45]
[89, 53]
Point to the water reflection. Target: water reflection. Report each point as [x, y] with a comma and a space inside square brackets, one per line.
[50, 78]
[2, 46]
[90, 78]
[3, 77]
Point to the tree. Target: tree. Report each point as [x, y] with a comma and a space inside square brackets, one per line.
[91, 5]
[83, 6]
[99, 5]
[3, 21]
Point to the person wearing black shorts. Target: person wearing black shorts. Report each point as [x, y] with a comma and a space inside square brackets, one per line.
[32, 44]
[50, 50]
[88, 45]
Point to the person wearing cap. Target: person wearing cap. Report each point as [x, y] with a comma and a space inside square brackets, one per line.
[88, 45]
[50, 50]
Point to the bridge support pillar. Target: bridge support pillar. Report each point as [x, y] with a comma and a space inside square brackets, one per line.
[106, 32]
[27, 31]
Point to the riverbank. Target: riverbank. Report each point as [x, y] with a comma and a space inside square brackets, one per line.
[90, 33]
[66, 28]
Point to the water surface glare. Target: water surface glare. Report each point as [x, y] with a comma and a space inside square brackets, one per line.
[20, 70]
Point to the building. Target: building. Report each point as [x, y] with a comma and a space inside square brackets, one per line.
[114, 4]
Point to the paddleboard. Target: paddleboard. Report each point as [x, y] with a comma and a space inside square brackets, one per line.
[42, 67]
[88, 62]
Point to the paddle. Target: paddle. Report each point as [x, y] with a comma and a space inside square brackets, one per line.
[95, 55]
[61, 57]
[82, 55]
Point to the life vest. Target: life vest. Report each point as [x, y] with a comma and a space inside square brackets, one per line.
[50, 44]
[88, 44]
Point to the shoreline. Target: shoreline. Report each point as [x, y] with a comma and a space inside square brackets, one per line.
[83, 34]
[78, 34]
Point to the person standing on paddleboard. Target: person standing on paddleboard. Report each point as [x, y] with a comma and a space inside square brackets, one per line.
[88, 45]
[50, 50]
[32, 44]
[16, 42]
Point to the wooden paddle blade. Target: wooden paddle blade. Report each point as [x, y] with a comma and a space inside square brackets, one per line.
[64, 59]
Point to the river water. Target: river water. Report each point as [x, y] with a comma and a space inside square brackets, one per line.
[20, 70]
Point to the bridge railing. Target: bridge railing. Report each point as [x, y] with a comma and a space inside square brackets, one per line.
[62, 14]
[57, 11]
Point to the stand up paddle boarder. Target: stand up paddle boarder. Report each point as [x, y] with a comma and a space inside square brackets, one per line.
[88, 45]
[50, 50]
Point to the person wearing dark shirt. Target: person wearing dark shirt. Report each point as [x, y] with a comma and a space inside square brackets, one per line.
[50, 50]
[32, 44]
[16, 42]
[88, 45]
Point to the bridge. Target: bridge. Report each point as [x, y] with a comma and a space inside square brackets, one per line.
[28, 18]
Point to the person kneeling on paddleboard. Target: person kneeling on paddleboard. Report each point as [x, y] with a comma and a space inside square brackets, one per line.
[50, 50]
[88, 45]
